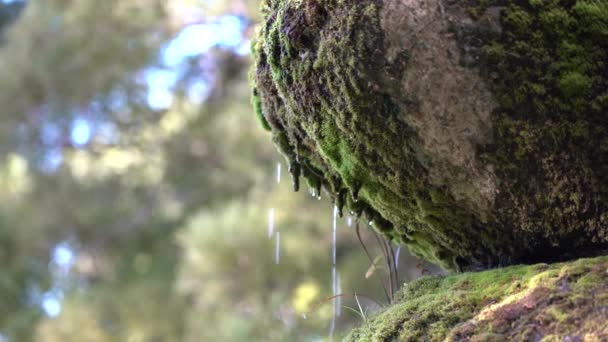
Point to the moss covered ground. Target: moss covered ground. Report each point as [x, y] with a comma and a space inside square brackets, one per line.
[542, 302]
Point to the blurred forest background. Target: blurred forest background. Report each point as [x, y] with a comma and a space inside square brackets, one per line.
[139, 198]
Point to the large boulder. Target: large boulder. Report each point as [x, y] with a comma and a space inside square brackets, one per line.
[473, 131]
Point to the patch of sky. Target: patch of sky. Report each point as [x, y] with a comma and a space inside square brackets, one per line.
[62, 261]
[81, 132]
[194, 40]
[244, 48]
[52, 160]
[198, 91]
[51, 303]
[160, 83]
[63, 254]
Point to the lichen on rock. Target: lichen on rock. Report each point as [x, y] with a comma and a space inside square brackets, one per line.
[557, 302]
[473, 131]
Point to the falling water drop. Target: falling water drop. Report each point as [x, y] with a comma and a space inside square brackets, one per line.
[397, 257]
[277, 248]
[333, 280]
[278, 172]
[349, 221]
[334, 273]
[332, 326]
[318, 188]
[333, 242]
[270, 222]
[339, 298]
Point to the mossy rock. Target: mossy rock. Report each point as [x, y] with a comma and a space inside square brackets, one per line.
[558, 302]
[473, 131]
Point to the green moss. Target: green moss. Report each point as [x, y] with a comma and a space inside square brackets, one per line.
[593, 14]
[324, 87]
[551, 46]
[320, 73]
[551, 69]
[513, 303]
[257, 107]
[574, 84]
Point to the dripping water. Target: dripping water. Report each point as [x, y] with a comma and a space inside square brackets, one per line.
[278, 172]
[277, 248]
[397, 257]
[312, 192]
[332, 326]
[333, 243]
[349, 221]
[270, 222]
[334, 274]
[338, 298]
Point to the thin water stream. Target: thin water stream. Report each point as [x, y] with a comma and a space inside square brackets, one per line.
[334, 275]
[270, 222]
[277, 248]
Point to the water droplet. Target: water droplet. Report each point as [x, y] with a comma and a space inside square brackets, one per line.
[349, 221]
[397, 257]
[277, 248]
[278, 172]
[270, 222]
[318, 188]
[340, 198]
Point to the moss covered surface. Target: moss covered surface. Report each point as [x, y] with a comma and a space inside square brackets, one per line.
[549, 72]
[555, 302]
[333, 100]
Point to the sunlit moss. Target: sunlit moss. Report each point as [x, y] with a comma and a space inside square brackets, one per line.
[513, 303]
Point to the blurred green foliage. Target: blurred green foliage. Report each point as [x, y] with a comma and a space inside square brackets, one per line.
[161, 214]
